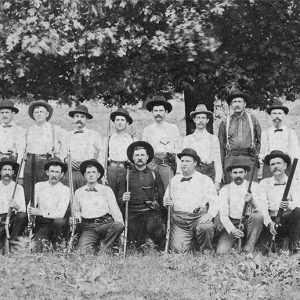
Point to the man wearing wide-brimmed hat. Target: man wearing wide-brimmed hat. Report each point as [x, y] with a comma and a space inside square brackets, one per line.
[42, 141]
[50, 205]
[232, 199]
[145, 197]
[279, 137]
[118, 143]
[8, 168]
[193, 204]
[97, 209]
[84, 143]
[10, 133]
[239, 134]
[206, 145]
[274, 187]
[163, 137]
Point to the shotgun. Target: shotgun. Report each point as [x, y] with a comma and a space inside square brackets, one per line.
[31, 219]
[242, 220]
[169, 217]
[107, 148]
[126, 213]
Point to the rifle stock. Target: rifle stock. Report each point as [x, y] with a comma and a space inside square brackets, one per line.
[31, 219]
[169, 217]
[126, 213]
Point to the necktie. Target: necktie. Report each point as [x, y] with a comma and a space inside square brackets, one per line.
[280, 183]
[91, 190]
[185, 179]
[78, 131]
[7, 126]
[276, 130]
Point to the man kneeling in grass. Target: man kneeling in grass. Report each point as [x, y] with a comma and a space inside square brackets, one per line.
[50, 205]
[193, 201]
[97, 208]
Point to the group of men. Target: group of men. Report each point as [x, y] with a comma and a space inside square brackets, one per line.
[158, 172]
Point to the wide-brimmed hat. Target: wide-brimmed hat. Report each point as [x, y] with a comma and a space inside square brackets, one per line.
[81, 109]
[56, 162]
[8, 104]
[121, 112]
[141, 144]
[157, 101]
[238, 162]
[277, 105]
[237, 94]
[6, 161]
[91, 162]
[35, 104]
[201, 109]
[277, 153]
[189, 152]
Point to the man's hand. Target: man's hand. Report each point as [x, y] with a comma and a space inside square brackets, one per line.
[237, 233]
[168, 202]
[271, 227]
[217, 186]
[126, 196]
[248, 197]
[206, 218]
[13, 204]
[34, 211]
[284, 204]
[75, 164]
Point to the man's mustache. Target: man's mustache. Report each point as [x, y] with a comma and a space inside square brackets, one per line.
[158, 116]
[277, 119]
[238, 178]
[53, 177]
[7, 176]
[79, 122]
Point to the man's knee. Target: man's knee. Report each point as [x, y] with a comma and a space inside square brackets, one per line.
[59, 223]
[256, 218]
[117, 227]
[296, 212]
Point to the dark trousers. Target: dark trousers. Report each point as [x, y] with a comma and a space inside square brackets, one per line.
[17, 226]
[146, 223]
[290, 227]
[48, 229]
[113, 173]
[39, 175]
[93, 233]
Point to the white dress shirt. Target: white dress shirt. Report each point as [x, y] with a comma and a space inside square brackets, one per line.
[6, 192]
[163, 137]
[95, 204]
[195, 193]
[207, 147]
[52, 200]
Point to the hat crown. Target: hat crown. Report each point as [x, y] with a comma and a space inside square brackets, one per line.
[277, 103]
[159, 98]
[81, 108]
[188, 151]
[237, 161]
[201, 107]
[6, 102]
[122, 110]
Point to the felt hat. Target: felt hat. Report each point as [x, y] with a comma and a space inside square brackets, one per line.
[277, 105]
[201, 109]
[277, 153]
[142, 144]
[8, 104]
[238, 162]
[35, 104]
[92, 162]
[159, 100]
[121, 112]
[81, 109]
[56, 162]
[6, 161]
[189, 152]
[237, 94]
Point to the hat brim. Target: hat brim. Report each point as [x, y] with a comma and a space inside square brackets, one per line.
[12, 108]
[196, 157]
[94, 163]
[284, 108]
[14, 165]
[115, 113]
[34, 104]
[142, 144]
[245, 167]
[246, 97]
[270, 156]
[74, 112]
[167, 105]
[64, 167]
[207, 112]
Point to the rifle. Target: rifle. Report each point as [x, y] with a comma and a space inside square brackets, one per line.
[169, 217]
[284, 199]
[6, 245]
[73, 226]
[107, 147]
[126, 213]
[31, 219]
[242, 220]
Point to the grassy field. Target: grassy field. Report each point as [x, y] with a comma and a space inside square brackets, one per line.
[152, 275]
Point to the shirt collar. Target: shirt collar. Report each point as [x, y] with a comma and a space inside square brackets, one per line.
[273, 180]
[83, 129]
[134, 169]
[243, 115]
[12, 124]
[283, 127]
[200, 133]
[45, 125]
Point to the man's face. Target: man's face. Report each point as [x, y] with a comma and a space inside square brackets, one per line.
[277, 115]
[91, 174]
[120, 123]
[80, 120]
[7, 172]
[238, 104]
[6, 116]
[159, 113]
[40, 114]
[188, 164]
[201, 120]
[277, 166]
[140, 157]
[55, 174]
[238, 175]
